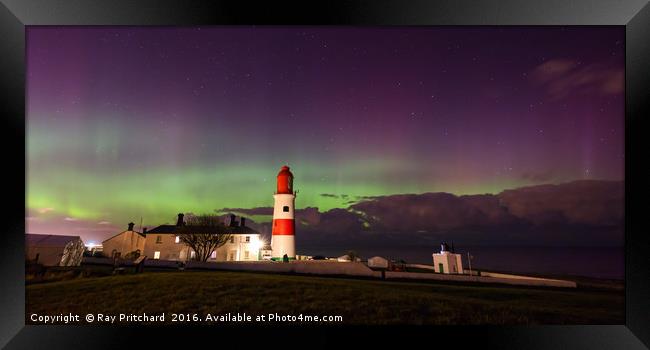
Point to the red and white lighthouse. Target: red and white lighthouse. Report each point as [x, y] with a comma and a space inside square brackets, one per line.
[284, 225]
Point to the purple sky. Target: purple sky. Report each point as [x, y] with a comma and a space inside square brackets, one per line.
[134, 122]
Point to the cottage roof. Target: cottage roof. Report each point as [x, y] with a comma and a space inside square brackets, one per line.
[241, 230]
[173, 229]
[140, 233]
[164, 229]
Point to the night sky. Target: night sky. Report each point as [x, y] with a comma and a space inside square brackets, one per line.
[135, 122]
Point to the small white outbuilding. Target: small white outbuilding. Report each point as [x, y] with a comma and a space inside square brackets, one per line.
[347, 258]
[378, 262]
[447, 262]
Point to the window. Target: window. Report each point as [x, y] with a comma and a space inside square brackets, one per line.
[248, 239]
[246, 254]
[156, 255]
[192, 255]
[232, 239]
[178, 239]
[159, 239]
[214, 254]
[285, 209]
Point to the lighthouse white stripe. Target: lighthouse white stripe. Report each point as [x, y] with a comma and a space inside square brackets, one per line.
[281, 201]
[283, 244]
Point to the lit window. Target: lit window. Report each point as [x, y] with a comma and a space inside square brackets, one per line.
[248, 239]
[285, 209]
[159, 239]
[156, 255]
[192, 255]
[178, 239]
[214, 255]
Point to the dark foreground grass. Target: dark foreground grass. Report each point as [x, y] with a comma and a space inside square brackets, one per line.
[357, 301]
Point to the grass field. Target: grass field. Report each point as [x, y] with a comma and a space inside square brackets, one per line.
[357, 301]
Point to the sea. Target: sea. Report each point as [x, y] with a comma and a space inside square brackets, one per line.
[594, 262]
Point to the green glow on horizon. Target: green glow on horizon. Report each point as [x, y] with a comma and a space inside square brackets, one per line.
[158, 194]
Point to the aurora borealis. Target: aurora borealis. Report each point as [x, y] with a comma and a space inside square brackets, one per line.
[126, 123]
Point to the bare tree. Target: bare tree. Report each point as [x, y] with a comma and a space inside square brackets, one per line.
[204, 234]
[353, 255]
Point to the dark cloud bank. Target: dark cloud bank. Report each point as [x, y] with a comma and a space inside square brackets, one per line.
[579, 213]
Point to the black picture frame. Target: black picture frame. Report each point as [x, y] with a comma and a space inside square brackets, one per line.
[634, 15]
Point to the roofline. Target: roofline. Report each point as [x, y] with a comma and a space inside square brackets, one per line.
[177, 233]
[139, 233]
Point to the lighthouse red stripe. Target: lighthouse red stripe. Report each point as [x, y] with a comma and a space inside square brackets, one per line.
[283, 227]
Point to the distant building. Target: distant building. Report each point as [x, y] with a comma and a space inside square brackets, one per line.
[347, 258]
[447, 262]
[378, 262]
[54, 250]
[124, 243]
[163, 242]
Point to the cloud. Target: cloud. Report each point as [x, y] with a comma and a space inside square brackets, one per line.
[553, 69]
[579, 212]
[434, 212]
[591, 203]
[329, 195]
[247, 211]
[45, 210]
[104, 223]
[562, 78]
[88, 230]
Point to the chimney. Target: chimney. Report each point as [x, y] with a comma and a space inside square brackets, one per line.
[232, 220]
[243, 221]
[180, 222]
[131, 226]
[144, 231]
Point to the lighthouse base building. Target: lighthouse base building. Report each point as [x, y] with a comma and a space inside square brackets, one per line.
[447, 262]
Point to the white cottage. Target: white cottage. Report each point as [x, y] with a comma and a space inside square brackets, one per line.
[163, 243]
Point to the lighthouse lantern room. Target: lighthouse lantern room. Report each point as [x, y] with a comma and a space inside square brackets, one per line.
[282, 239]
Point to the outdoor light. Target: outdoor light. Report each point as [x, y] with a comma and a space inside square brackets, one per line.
[257, 243]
